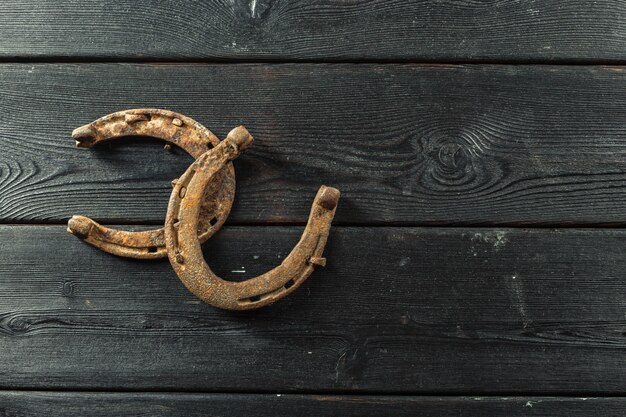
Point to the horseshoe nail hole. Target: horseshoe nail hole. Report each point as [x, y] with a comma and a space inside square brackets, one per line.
[213, 221]
[152, 249]
[289, 284]
[254, 298]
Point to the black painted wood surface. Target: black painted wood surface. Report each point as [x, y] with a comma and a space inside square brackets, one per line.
[326, 30]
[406, 144]
[356, 94]
[45, 404]
[397, 310]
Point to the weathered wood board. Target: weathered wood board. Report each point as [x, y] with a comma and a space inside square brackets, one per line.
[322, 30]
[80, 404]
[406, 144]
[397, 310]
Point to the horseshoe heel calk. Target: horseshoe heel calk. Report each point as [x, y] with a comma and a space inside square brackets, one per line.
[85, 136]
[80, 226]
[327, 197]
[240, 138]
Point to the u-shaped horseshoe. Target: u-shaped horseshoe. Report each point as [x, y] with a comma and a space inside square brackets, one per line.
[175, 129]
[185, 253]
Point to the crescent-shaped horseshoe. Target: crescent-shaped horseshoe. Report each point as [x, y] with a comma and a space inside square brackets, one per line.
[175, 129]
[185, 253]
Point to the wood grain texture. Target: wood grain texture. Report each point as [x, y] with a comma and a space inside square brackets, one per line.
[449, 30]
[79, 404]
[397, 310]
[406, 144]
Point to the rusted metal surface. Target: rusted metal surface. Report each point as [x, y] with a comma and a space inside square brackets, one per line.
[185, 253]
[175, 129]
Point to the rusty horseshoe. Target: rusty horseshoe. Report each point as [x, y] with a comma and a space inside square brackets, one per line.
[185, 253]
[175, 129]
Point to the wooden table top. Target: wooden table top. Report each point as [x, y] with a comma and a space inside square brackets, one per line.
[477, 261]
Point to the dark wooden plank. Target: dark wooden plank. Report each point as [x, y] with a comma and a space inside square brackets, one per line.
[79, 404]
[397, 310]
[407, 144]
[496, 30]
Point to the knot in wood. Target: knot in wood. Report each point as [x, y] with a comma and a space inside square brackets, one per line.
[454, 161]
[452, 156]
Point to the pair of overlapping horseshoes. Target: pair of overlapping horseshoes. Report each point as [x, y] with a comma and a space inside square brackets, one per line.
[200, 202]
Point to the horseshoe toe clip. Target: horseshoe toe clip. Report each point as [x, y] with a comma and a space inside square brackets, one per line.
[185, 253]
[175, 129]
